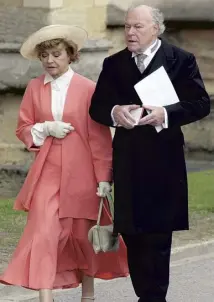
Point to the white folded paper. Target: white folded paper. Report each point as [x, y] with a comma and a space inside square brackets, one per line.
[157, 90]
[136, 114]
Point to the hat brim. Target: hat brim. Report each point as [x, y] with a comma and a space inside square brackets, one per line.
[69, 33]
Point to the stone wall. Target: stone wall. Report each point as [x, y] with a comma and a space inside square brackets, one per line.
[12, 151]
[16, 23]
[14, 159]
[11, 180]
[179, 10]
[91, 14]
[15, 71]
[201, 43]
[13, 3]
[19, 19]
[199, 138]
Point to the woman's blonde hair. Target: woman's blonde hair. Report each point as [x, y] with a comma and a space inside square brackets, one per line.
[71, 48]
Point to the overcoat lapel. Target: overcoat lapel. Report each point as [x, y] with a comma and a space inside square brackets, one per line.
[45, 101]
[73, 97]
[164, 57]
[130, 72]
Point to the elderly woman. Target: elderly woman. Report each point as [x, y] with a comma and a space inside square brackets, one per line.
[71, 171]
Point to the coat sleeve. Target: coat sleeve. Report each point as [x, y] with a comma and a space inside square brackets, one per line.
[104, 97]
[26, 119]
[194, 101]
[100, 142]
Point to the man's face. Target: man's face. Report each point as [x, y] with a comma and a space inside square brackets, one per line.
[140, 30]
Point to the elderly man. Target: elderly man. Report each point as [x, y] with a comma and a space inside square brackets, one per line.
[149, 167]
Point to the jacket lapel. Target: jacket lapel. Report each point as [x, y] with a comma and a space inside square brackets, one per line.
[129, 68]
[164, 57]
[45, 101]
[73, 97]
[74, 93]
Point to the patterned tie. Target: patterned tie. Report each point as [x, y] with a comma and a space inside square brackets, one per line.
[140, 62]
[141, 57]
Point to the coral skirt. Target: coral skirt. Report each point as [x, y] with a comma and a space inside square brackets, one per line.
[55, 253]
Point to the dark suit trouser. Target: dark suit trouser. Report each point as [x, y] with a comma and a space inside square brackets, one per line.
[149, 260]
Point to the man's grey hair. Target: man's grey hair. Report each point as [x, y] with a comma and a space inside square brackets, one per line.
[157, 16]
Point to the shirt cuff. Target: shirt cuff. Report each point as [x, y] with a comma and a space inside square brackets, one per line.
[112, 117]
[165, 124]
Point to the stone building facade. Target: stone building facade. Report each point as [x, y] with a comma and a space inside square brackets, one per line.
[190, 25]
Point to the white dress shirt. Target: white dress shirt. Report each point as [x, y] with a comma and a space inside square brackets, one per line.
[59, 88]
[149, 56]
[149, 53]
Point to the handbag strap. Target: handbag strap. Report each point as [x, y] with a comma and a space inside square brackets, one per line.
[111, 206]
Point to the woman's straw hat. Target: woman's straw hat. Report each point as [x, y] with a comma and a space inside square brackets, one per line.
[69, 33]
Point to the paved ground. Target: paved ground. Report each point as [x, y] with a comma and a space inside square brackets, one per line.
[192, 280]
[193, 166]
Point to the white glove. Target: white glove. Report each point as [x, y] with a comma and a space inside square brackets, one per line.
[103, 188]
[58, 129]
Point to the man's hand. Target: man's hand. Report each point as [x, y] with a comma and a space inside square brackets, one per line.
[156, 117]
[122, 116]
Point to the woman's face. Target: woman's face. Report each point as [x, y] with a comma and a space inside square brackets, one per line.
[55, 60]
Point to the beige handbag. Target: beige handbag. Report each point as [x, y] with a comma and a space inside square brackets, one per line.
[102, 237]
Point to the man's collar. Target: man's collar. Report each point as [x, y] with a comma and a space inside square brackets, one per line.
[65, 76]
[148, 50]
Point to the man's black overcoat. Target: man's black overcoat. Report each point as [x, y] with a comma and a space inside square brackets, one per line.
[149, 168]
